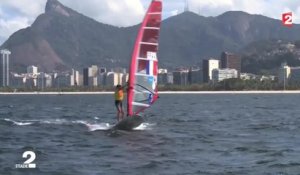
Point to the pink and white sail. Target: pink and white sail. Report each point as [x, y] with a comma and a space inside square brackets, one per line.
[142, 92]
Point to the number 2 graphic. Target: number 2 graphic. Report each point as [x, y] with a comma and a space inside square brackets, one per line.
[31, 156]
[287, 19]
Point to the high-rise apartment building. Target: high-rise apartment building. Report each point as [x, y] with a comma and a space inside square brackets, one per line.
[4, 67]
[231, 61]
[207, 67]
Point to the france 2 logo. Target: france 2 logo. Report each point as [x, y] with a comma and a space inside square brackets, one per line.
[287, 19]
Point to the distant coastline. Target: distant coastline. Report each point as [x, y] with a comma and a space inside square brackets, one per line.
[162, 92]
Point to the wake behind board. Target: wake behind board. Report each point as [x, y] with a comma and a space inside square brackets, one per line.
[129, 123]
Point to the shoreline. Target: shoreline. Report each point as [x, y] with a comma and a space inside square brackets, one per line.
[162, 92]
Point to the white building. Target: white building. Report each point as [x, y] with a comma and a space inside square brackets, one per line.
[32, 70]
[162, 71]
[125, 78]
[44, 80]
[222, 74]
[267, 78]
[75, 78]
[93, 81]
[284, 73]
[113, 78]
[18, 81]
[248, 76]
[208, 66]
[93, 71]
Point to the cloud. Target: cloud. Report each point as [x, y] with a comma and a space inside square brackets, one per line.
[25, 8]
[210, 7]
[174, 12]
[7, 27]
[270, 8]
[16, 14]
[114, 12]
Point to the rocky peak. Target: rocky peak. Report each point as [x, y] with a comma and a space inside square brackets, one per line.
[57, 7]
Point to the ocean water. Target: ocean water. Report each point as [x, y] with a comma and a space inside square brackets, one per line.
[209, 134]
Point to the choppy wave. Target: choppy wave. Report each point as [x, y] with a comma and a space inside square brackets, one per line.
[107, 126]
[54, 121]
[89, 125]
[18, 123]
[145, 126]
[99, 126]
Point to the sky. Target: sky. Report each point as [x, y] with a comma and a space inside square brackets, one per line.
[18, 14]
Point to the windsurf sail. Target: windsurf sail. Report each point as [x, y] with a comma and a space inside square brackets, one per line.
[142, 92]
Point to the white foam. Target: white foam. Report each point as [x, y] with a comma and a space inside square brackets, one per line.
[18, 123]
[91, 127]
[53, 121]
[144, 126]
[99, 126]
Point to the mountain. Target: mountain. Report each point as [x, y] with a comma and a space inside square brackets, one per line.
[62, 38]
[265, 57]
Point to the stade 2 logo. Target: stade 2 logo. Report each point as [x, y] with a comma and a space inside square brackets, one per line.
[287, 19]
[28, 163]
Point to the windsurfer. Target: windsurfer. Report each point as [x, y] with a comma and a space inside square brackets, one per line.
[119, 96]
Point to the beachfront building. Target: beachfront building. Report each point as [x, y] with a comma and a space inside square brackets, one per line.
[43, 81]
[18, 81]
[93, 71]
[248, 76]
[32, 70]
[101, 78]
[231, 61]
[223, 74]
[294, 75]
[162, 77]
[61, 79]
[170, 78]
[207, 67]
[4, 67]
[93, 81]
[125, 78]
[85, 76]
[267, 78]
[119, 70]
[75, 78]
[90, 76]
[195, 76]
[284, 73]
[23, 80]
[30, 82]
[113, 78]
[102, 70]
[180, 77]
